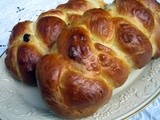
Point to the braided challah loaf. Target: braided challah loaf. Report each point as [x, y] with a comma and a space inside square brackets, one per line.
[96, 53]
[90, 54]
[30, 40]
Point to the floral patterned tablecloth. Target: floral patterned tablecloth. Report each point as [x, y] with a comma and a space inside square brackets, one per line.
[14, 11]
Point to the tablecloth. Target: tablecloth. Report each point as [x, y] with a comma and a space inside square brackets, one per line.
[14, 11]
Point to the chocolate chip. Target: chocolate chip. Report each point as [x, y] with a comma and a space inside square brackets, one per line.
[26, 37]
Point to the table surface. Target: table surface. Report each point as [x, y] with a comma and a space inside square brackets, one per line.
[15, 11]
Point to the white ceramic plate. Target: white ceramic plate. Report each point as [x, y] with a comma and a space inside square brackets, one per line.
[20, 102]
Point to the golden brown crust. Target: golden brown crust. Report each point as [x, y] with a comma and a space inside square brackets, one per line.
[103, 48]
[73, 17]
[133, 42]
[99, 22]
[74, 44]
[18, 30]
[157, 38]
[144, 14]
[82, 92]
[22, 53]
[153, 5]
[49, 28]
[53, 12]
[11, 62]
[27, 57]
[67, 91]
[135, 8]
[114, 69]
[79, 6]
[74, 5]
